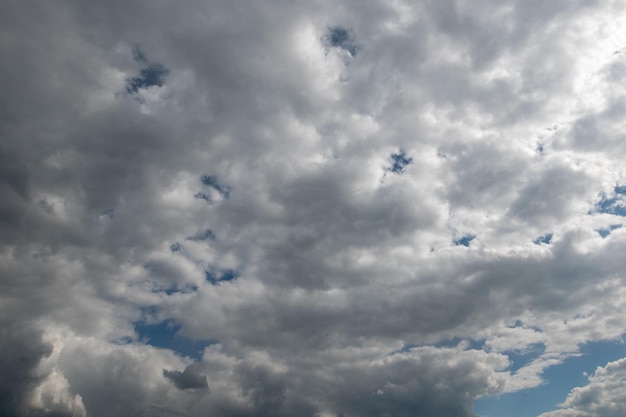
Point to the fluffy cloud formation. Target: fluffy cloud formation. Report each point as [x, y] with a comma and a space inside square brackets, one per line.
[355, 208]
[603, 396]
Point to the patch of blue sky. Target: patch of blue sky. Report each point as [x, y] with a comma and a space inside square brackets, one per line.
[560, 380]
[175, 289]
[203, 196]
[399, 162]
[339, 37]
[613, 205]
[540, 148]
[165, 335]
[465, 240]
[211, 181]
[153, 75]
[607, 231]
[203, 235]
[125, 340]
[620, 189]
[176, 247]
[545, 239]
[215, 277]
[520, 359]
[138, 54]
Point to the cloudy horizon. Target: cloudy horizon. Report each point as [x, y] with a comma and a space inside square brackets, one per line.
[333, 209]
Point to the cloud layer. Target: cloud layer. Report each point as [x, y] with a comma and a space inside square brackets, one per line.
[355, 208]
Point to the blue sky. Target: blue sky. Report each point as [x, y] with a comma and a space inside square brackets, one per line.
[352, 208]
[559, 380]
[165, 335]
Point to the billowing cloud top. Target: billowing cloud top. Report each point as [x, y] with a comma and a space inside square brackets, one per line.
[326, 208]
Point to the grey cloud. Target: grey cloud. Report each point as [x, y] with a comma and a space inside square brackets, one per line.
[550, 195]
[484, 172]
[405, 386]
[14, 186]
[20, 353]
[115, 380]
[270, 395]
[189, 378]
[288, 134]
[460, 301]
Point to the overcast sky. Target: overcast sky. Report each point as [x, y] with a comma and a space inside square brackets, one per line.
[354, 208]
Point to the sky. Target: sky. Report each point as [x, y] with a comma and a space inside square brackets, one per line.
[312, 208]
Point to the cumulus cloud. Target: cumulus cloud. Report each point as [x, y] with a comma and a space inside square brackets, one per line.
[603, 396]
[366, 207]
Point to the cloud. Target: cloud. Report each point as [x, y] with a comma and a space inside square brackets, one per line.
[21, 351]
[28, 386]
[602, 396]
[187, 379]
[367, 207]
[399, 385]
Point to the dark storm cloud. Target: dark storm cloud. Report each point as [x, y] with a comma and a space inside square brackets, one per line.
[20, 352]
[14, 188]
